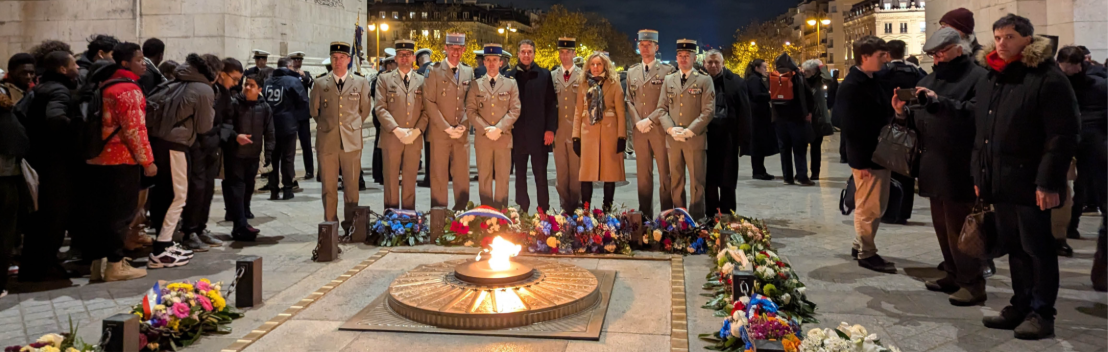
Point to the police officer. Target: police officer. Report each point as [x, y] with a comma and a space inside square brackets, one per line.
[261, 57]
[423, 59]
[340, 104]
[399, 107]
[304, 127]
[566, 162]
[444, 101]
[685, 107]
[644, 85]
[492, 105]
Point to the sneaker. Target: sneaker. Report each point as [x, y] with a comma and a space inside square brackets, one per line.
[193, 243]
[206, 237]
[176, 248]
[167, 259]
[1035, 327]
[1008, 319]
[807, 183]
[945, 284]
[122, 271]
[967, 297]
[878, 264]
[97, 271]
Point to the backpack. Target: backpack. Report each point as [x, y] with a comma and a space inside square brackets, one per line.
[161, 109]
[89, 124]
[781, 86]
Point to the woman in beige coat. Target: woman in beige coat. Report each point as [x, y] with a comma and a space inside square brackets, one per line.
[599, 129]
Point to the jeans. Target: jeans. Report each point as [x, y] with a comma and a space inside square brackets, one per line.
[13, 206]
[202, 173]
[1025, 232]
[792, 139]
[44, 229]
[538, 168]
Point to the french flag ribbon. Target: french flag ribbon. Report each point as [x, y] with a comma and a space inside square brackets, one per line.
[152, 298]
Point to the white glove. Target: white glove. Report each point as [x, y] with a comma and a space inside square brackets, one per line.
[492, 132]
[676, 131]
[644, 126]
[687, 133]
[460, 131]
[412, 135]
[400, 133]
[679, 138]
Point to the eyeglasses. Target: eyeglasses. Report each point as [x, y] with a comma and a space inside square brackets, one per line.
[941, 51]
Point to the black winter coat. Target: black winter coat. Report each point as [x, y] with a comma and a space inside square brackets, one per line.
[1027, 128]
[285, 94]
[865, 107]
[946, 130]
[763, 141]
[1092, 98]
[47, 120]
[254, 118]
[734, 122]
[900, 74]
[538, 109]
[152, 78]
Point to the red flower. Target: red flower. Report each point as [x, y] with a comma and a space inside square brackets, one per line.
[782, 275]
[781, 264]
[503, 222]
[596, 239]
[597, 212]
[554, 228]
[142, 341]
[458, 228]
[587, 206]
[607, 235]
[39, 344]
[484, 225]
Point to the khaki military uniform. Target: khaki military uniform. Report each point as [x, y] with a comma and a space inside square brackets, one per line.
[339, 115]
[690, 106]
[488, 106]
[643, 90]
[566, 162]
[444, 101]
[400, 106]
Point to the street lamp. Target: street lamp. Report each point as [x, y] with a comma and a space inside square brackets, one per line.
[378, 29]
[505, 32]
[817, 24]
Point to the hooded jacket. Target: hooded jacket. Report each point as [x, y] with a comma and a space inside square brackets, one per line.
[254, 118]
[286, 96]
[196, 112]
[1027, 127]
[797, 109]
[47, 120]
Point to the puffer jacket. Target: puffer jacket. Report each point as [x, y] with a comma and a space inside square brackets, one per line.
[254, 118]
[286, 95]
[47, 120]
[196, 112]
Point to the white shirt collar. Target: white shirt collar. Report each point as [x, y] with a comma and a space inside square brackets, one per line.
[450, 65]
[340, 79]
[686, 74]
[570, 69]
[407, 76]
[651, 65]
[493, 74]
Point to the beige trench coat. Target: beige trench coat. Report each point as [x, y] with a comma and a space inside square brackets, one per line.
[600, 161]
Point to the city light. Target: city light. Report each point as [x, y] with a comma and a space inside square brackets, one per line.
[825, 21]
[385, 27]
[811, 22]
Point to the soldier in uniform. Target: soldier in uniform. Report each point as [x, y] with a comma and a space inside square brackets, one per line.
[685, 107]
[304, 131]
[444, 101]
[261, 57]
[492, 105]
[480, 70]
[340, 104]
[566, 162]
[399, 107]
[423, 59]
[644, 86]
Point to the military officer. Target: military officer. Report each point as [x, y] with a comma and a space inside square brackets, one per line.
[644, 85]
[261, 57]
[399, 107]
[444, 101]
[423, 59]
[492, 105]
[685, 106]
[566, 162]
[339, 104]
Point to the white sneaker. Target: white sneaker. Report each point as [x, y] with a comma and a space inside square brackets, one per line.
[181, 251]
[168, 259]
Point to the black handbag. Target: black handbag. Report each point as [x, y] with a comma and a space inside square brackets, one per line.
[897, 148]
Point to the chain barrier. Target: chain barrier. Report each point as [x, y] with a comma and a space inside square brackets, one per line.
[105, 337]
[235, 283]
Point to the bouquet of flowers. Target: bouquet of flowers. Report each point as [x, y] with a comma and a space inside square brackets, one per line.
[397, 227]
[66, 342]
[845, 338]
[675, 231]
[177, 314]
[477, 226]
[776, 280]
[737, 230]
[753, 318]
[544, 233]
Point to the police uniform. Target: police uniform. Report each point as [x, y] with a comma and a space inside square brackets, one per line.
[444, 101]
[493, 105]
[339, 106]
[399, 107]
[644, 85]
[304, 128]
[688, 103]
[566, 162]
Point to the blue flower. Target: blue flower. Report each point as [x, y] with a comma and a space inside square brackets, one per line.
[725, 331]
[580, 229]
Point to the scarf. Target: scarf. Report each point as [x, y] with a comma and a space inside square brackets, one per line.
[595, 98]
[998, 63]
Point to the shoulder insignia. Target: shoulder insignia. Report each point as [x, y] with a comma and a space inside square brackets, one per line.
[635, 65]
[464, 64]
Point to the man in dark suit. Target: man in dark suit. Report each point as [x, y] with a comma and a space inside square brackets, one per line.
[534, 131]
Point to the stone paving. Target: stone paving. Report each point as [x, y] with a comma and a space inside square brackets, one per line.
[806, 225]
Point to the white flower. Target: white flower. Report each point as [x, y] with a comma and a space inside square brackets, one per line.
[727, 268]
[54, 340]
[771, 254]
[786, 298]
[815, 334]
[800, 290]
[870, 344]
[745, 300]
[766, 271]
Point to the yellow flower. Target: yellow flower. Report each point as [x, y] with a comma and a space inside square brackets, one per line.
[217, 301]
[180, 287]
[53, 339]
[205, 281]
[174, 324]
[159, 307]
[71, 349]
[49, 349]
[552, 242]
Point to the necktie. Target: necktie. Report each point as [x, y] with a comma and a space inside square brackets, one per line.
[684, 77]
[492, 83]
[405, 82]
[340, 82]
[567, 76]
[647, 68]
[455, 70]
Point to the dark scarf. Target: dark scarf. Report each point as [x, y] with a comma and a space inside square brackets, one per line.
[595, 98]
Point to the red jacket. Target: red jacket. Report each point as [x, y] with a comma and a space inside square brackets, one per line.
[125, 105]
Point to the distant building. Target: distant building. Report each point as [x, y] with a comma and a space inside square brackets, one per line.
[812, 38]
[483, 22]
[889, 20]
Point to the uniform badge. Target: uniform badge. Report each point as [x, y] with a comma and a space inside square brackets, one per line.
[502, 95]
[695, 91]
[325, 90]
[656, 82]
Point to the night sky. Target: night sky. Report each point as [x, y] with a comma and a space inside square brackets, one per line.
[709, 22]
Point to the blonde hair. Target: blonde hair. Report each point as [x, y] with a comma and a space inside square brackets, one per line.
[609, 70]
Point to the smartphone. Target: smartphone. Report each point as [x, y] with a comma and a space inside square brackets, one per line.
[906, 94]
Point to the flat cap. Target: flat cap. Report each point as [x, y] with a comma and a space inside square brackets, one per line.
[941, 39]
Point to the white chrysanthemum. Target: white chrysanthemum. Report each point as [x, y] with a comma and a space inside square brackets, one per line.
[745, 300]
[786, 298]
[727, 268]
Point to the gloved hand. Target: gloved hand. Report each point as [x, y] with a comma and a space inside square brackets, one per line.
[577, 146]
[675, 131]
[644, 126]
[451, 132]
[492, 132]
[413, 134]
[400, 133]
[621, 145]
[679, 138]
[461, 131]
[686, 134]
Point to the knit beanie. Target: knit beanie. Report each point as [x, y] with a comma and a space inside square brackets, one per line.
[960, 19]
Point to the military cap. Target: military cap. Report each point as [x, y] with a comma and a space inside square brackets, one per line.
[403, 44]
[340, 47]
[260, 54]
[686, 45]
[567, 43]
[296, 55]
[455, 39]
[507, 54]
[326, 61]
[493, 49]
[388, 59]
[648, 34]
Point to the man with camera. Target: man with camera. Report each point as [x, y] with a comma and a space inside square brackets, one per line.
[942, 107]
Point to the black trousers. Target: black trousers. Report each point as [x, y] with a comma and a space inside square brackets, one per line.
[1025, 232]
[842, 148]
[45, 229]
[724, 177]
[110, 202]
[202, 173]
[538, 167]
[1091, 186]
[13, 210]
[758, 165]
[948, 217]
[378, 159]
[238, 188]
[609, 194]
[284, 154]
[304, 133]
[815, 157]
[792, 139]
[908, 184]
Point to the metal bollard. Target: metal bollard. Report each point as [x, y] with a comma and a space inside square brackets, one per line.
[742, 284]
[361, 225]
[328, 247]
[438, 223]
[122, 333]
[768, 346]
[248, 289]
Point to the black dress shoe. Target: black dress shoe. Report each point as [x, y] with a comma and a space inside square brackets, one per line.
[807, 183]
[288, 195]
[854, 254]
[308, 176]
[1063, 248]
[275, 195]
[763, 177]
[878, 264]
[249, 215]
[227, 217]
[267, 187]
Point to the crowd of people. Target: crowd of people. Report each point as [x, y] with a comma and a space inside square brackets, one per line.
[1005, 125]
